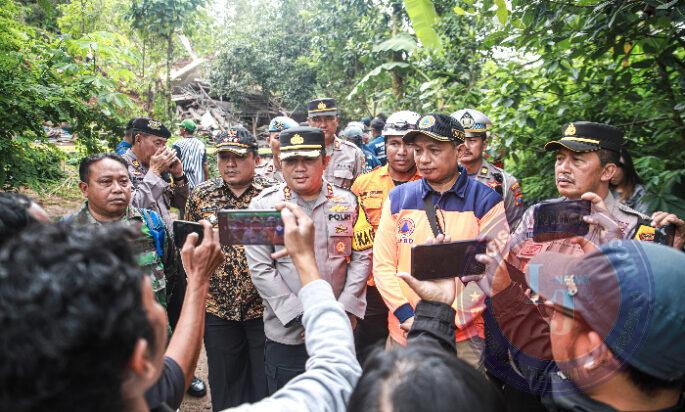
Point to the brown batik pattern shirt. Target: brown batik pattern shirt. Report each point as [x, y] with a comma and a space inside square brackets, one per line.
[232, 296]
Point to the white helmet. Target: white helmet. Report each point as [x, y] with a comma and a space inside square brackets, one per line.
[399, 123]
[476, 124]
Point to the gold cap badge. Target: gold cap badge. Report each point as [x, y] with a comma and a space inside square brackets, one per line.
[570, 130]
[321, 106]
[297, 139]
[154, 124]
[426, 122]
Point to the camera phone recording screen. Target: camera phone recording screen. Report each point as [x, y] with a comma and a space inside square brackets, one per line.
[250, 227]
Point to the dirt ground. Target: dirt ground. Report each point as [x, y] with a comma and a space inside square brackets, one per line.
[64, 198]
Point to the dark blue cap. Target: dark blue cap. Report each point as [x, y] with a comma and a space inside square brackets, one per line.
[630, 293]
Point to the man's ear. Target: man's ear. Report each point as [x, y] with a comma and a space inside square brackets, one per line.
[83, 186]
[608, 172]
[326, 160]
[461, 150]
[589, 347]
[141, 369]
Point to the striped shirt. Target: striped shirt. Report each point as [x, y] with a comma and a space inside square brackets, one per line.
[468, 210]
[193, 156]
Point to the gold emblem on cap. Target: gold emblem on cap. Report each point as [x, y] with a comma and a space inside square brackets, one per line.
[297, 139]
[154, 124]
[426, 122]
[570, 130]
[321, 106]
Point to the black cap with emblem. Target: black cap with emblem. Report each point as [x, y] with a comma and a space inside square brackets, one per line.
[149, 126]
[440, 127]
[325, 106]
[588, 137]
[302, 141]
[237, 140]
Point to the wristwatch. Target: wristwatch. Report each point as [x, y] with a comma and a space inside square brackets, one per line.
[297, 321]
[179, 179]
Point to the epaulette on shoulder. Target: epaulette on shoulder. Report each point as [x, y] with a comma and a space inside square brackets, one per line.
[628, 210]
[269, 191]
[263, 182]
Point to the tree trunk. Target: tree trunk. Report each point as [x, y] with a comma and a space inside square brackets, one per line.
[169, 56]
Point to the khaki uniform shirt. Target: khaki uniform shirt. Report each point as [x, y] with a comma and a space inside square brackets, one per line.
[232, 296]
[342, 245]
[507, 186]
[347, 162]
[524, 247]
[150, 191]
[269, 171]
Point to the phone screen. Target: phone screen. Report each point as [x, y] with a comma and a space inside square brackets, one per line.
[445, 260]
[183, 228]
[559, 220]
[250, 227]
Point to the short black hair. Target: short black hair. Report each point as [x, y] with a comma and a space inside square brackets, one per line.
[71, 313]
[14, 215]
[422, 377]
[129, 129]
[649, 385]
[629, 173]
[608, 156]
[86, 162]
[377, 124]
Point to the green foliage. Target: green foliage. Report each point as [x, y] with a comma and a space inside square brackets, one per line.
[423, 19]
[44, 78]
[159, 20]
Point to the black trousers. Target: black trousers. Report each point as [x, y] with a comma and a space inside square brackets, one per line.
[372, 331]
[235, 357]
[282, 363]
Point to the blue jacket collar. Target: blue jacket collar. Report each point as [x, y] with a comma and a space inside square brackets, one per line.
[459, 187]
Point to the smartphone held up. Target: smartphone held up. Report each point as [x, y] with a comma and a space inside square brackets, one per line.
[250, 227]
[238, 227]
[559, 220]
[445, 260]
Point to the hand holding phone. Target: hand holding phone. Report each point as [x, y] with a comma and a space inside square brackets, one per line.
[438, 290]
[183, 228]
[445, 260]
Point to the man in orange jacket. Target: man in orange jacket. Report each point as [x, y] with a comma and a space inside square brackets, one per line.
[464, 209]
[372, 189]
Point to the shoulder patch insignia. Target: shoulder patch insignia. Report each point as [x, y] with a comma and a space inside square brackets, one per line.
[530, 249]
[645, 233]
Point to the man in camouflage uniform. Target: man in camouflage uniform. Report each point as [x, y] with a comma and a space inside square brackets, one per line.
[107, 188]
[234, 330]
[342, 247]
[347, 160]
[476, 128]
[149, 163]
[272, 168]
